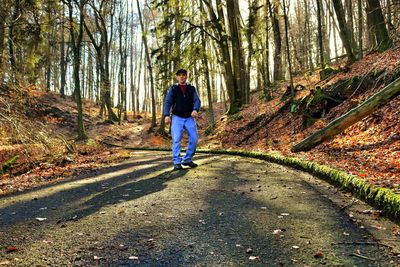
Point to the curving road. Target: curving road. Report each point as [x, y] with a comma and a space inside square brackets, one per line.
[230, 211]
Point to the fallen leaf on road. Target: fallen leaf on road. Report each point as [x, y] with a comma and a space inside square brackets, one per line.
[254, 258]
[41, 219]
[278, 231]
[319, 255]
[379, 227]
[11, 249]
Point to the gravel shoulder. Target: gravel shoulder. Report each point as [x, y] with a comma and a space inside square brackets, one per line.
[230, 211]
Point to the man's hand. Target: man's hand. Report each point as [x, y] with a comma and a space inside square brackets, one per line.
[167, 119]
[195, 114]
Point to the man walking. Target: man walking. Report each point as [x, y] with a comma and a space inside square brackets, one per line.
[185, 103]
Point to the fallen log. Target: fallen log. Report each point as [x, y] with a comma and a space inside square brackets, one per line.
[354, 115]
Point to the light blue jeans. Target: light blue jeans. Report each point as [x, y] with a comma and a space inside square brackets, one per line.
[177, 126]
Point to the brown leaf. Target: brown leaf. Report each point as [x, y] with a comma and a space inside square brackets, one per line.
[319, 255]
[11, 249]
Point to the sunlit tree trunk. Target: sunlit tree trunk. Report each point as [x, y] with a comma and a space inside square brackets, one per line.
[383, 41]
[344, 31]
[150, 68]
[76, 40]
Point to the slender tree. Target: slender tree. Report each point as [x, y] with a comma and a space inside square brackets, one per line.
[149, 66]
[378, 26]
[76, 43]
[344, 31]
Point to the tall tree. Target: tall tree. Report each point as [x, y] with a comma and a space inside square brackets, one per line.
[238, 61]
[221, 38]
[320, 33]
[63, 62]
[288, 48]
[344, 31]
[76, 43]
[149, 66]
[374, 11]
[274, 14]
[101, 43]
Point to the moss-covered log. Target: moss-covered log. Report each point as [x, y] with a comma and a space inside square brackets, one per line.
[356, 114]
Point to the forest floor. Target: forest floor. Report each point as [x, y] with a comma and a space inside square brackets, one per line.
[369, 149]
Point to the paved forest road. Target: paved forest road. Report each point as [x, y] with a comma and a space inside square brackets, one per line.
[223, 213]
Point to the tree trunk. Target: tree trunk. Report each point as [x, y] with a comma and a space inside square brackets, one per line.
[11, 40]
[76, 39]
[344, 32]
[350, 24]
[239, 69]
[356, 114]
[207, 77]
[149, 66]
[287, 48]
[267, 79]
[253, 9]
[383, 40]
[3, 16]
[274, 14]
[320, 36]
[360, 29]
[63, 67]
[232, 87]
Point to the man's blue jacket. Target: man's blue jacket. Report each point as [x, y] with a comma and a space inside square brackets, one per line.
[182, 105]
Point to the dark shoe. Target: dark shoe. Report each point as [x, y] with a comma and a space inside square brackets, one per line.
[177, 167]
[190, 164]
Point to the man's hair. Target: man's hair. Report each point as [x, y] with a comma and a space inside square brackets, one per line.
[181, 71]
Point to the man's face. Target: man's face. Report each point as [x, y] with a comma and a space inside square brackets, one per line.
[181, 77]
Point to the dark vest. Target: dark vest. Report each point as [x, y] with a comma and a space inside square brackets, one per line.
[183, 104]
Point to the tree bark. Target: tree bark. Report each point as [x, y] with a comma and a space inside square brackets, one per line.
[287, 48]
[383, 41]
[76, 40]
[150, 68]
[219, 29]
[356, 114]
[63, 64]
[206, 74]
[238, 61]
[360, 29]
[11, 37]
[344, 31]
[102, 48]
[3, 16]
[320, 35]
[274, 14]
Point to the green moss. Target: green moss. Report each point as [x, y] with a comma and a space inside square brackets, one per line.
[8, 165]
[326, 72]
[91, 142]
